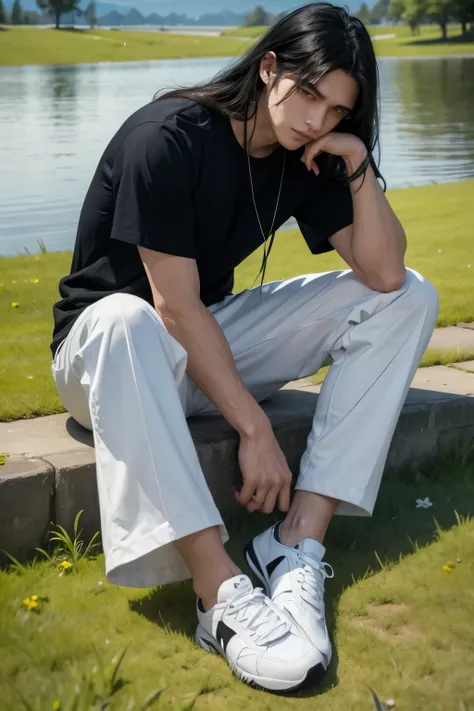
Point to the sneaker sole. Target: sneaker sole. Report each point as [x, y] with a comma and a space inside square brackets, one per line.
[316, 673]
[276, 686]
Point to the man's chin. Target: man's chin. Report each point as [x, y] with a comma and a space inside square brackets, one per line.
[290, 145]
[292, 141]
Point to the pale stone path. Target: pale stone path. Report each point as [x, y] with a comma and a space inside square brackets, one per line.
[454, 338]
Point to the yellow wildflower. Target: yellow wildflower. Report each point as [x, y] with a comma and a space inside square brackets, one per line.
[56, 705]
[65, 565]
[30, 603]
[34, 597]
[15, 304]
[447, 569]
[36, 281]
[13, 281]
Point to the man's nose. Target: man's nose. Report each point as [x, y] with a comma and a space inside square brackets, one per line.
[315, 118]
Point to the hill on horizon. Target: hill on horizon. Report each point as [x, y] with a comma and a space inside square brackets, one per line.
[193, 10]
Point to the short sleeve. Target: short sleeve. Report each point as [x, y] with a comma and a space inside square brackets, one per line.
[152, 181]
[326, 210]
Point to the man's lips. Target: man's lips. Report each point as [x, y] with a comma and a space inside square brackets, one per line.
[302, 135]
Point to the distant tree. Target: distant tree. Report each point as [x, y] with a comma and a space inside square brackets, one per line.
[56, 8]
[258, 17]
[396, 10]
[415, 12]
[91, 14]
[440, 11]
[464, 12]
[379, 12]
[3, 14]
[16, 17]
[363, 13]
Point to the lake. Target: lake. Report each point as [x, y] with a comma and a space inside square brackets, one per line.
[55, 123]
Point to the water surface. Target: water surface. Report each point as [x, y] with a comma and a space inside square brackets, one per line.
[56, 122]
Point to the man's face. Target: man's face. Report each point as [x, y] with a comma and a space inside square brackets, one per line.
[310, 111]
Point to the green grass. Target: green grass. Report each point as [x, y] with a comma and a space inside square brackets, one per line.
[435, 217]
[245, 31]
[400, 624]
[25, 375]
[20, 46]
[30, 45]
[427, 43]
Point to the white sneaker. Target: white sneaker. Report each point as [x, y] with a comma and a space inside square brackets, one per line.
[259, 641]
[294, 580]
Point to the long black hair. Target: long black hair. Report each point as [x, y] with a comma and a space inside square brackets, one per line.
[309, 42]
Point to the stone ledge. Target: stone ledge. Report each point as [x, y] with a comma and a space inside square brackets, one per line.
[50, 474]
[26, 504]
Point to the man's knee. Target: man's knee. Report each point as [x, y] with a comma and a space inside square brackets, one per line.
[420, 291]
[124, 310]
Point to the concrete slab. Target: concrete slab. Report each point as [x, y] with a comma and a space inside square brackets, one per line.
[453, 338]
[468, 366]
[75, 489]
[26, 498]
[441, 380]
[42, 436]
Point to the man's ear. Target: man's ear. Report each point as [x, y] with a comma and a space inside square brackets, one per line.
[267, 66]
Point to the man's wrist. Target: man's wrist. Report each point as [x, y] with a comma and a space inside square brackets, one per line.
[355, 160]
[254, 425]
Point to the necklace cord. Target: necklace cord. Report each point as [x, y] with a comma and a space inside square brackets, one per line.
[271, 231]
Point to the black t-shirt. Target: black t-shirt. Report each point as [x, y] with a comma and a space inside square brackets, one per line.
[175, 179]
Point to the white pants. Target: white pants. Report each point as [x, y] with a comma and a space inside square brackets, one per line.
[122, 375]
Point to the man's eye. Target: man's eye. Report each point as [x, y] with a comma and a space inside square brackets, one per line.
[305, 92]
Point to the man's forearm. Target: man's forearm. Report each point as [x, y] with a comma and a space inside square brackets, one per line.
[212, 367]
[378, 240]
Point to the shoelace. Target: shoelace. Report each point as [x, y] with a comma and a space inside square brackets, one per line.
[268, 624]
[312, 576]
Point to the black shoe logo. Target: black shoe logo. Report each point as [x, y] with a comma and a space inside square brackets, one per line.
[224, 634]
[274, 563]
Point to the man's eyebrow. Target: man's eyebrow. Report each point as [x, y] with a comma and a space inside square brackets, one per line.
[317, 91]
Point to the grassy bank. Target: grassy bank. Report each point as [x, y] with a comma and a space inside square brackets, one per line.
[20, 46]
[400, 611]
[440, 246]
[403, 44]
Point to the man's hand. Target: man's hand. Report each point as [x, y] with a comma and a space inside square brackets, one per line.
[345, 145]
[265, 472]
